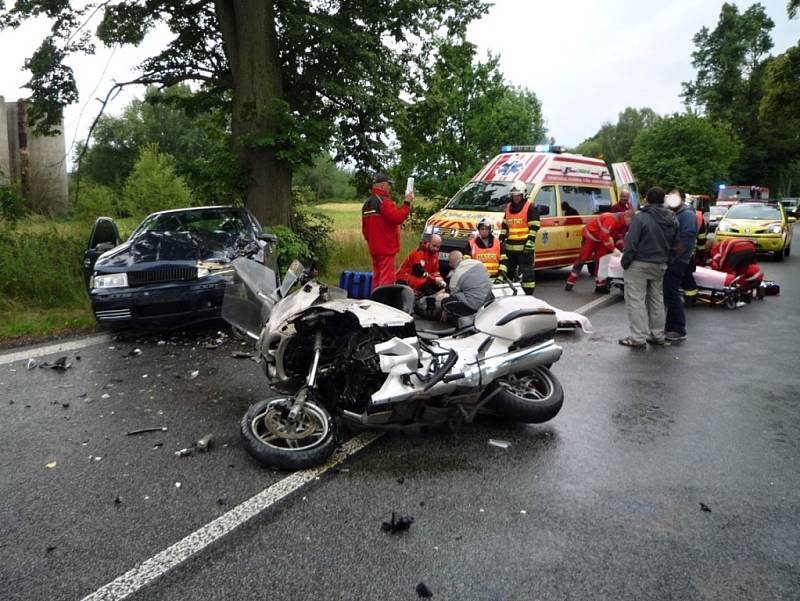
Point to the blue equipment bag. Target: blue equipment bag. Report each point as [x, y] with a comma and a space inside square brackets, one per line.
[358, 284]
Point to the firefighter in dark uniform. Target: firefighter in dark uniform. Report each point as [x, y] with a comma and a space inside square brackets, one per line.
[518, 238]
[689, 285]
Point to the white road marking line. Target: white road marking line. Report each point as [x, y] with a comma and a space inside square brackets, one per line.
[54, 348]
[151, 569]
[598, 303]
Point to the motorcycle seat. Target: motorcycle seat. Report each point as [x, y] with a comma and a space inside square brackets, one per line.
[397, 296]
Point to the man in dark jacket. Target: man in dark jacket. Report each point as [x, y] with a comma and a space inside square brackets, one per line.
[651, 243]
[677, 270]
[380, 225]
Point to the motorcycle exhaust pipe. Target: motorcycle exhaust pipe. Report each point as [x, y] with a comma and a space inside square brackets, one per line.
[521, 360]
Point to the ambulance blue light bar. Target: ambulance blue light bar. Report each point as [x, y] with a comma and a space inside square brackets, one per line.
[536, 148]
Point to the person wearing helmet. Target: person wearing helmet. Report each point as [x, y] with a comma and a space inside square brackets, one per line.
[485, 247]
[518, 238]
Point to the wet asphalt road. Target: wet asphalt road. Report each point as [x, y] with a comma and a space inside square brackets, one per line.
[603, 502]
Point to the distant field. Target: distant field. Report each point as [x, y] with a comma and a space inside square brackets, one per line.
[349, 252]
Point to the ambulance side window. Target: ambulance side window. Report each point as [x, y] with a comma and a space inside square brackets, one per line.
[546, 197]
[586, 200]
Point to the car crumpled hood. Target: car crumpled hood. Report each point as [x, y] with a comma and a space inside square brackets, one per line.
[150, 247]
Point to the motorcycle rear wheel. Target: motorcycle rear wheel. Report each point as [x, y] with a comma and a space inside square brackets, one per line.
[274, 441]
[531, 397]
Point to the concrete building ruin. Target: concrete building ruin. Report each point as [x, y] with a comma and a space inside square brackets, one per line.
[38, 165]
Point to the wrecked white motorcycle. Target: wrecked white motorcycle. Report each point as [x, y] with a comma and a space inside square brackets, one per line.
[332, 359]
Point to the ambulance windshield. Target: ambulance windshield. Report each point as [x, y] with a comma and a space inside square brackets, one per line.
[482, 196]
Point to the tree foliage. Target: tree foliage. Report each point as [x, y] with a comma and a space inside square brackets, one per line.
[199, 142]
[459, 116]
[614, 140]
[684, 150]
[725, 60]
[153, 185]
[295, 75]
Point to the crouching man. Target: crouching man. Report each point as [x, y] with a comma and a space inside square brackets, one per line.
[470, 287]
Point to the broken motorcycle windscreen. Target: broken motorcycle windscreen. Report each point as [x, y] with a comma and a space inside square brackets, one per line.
[250, 296]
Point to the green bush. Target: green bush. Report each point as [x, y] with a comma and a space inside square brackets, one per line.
[95, 201]
[12, 205]
[420, 212]
[153, 185]
[42, 268]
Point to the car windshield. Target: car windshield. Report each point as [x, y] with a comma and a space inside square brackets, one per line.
[718, 210]
[754, 211]
[481, 196]
[199, 220]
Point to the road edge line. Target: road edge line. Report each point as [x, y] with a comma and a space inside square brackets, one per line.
[51, 349]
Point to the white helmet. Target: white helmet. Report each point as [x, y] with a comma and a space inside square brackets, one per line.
[487, 222]
[518, 187]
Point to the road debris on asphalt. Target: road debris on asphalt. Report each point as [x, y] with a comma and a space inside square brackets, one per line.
[705, 507]
[397, 524]
[105, 395]
[60, 364]
[177, 485]
[145, 430]
[51, 465]
[134, 352]
[423, 591]
[31, 363]
[501, 444]
[52, 548]
[241, 355]
[184, 452]
[400, 480]
[204, 444]
[117, 500]
[194, 374]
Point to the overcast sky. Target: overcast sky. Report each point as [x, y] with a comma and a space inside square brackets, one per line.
[585, 60]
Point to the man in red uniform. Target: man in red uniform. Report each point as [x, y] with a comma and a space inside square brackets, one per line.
[601, 236]
[623, 204]
[420, 270]
[380, 225]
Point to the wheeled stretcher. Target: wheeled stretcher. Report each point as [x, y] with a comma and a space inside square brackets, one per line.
[714, 287]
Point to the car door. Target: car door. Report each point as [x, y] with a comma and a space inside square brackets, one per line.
[105, 236]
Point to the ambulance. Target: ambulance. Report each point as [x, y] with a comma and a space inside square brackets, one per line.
[568, 189]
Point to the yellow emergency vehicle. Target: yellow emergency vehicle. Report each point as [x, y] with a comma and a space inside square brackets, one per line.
[568, 189]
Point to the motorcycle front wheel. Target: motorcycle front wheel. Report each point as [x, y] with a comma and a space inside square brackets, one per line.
[275, 440]
[530, 397]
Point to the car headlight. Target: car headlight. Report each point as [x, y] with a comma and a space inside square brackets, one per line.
[724, 226]
[775, 228]
[110, 280]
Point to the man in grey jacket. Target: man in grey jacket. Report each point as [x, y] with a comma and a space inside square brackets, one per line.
[470, 287]
[651, 243]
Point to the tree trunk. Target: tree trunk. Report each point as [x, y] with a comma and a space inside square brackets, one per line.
[251, 44]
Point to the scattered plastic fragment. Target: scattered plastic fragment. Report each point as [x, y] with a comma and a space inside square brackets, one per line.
[194, 374]
[222, 501]
[65, 405]
[117, 500]
[397, 524]
[423, 591]
[158, 445]
[502, 444]
[105, 395]
[241, 355]
[523, 512]
[342, 470]
[400, 480]
[59, 364]
[177, 485]
[145, 430]
[51, 465]
[144, 375]
[184, 452]
[204, 444]
[134, 352]
[51, 549]
[31, 363]
[705, 507]
[210, 346]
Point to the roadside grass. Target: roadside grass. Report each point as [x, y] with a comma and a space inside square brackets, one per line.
[18, 319]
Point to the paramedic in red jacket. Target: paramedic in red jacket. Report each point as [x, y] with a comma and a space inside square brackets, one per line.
[420, 270]
[380, 224]
[601, 236]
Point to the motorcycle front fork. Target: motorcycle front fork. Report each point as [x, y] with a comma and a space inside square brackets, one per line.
[311, 380]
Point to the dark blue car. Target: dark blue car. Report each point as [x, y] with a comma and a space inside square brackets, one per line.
[173, 269]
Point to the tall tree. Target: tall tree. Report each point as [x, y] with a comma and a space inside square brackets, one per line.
[792, 8]
[725, 59]
[300, 73]
[614, 140]
[460, 115]
[684, 150]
